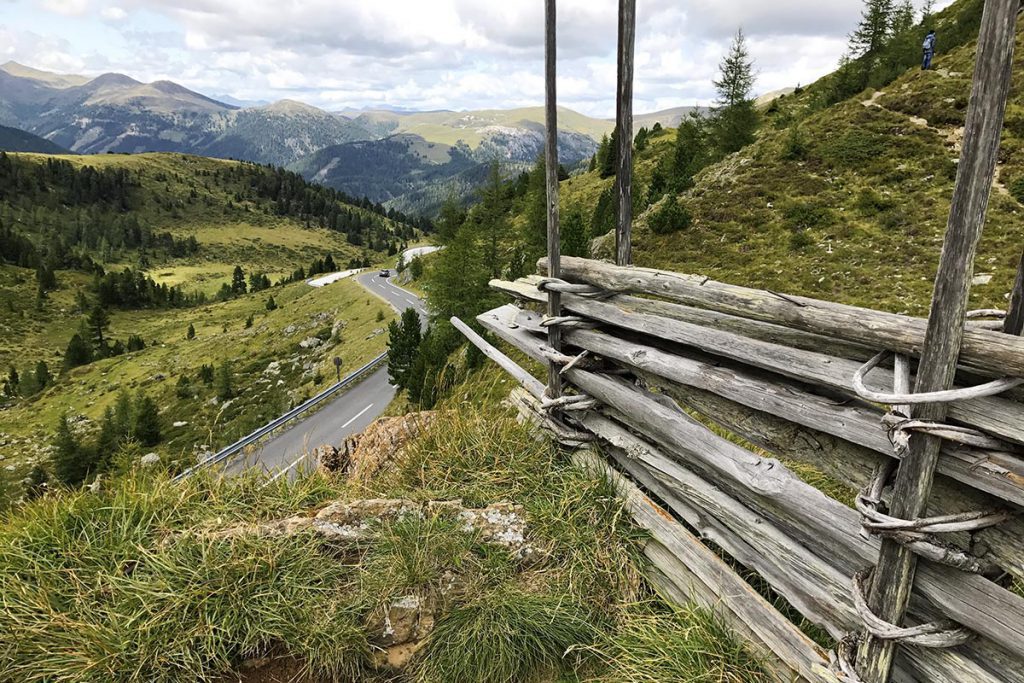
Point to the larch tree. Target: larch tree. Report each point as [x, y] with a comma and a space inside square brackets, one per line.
[735, 116]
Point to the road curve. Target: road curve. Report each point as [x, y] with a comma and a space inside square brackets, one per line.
[348, 414]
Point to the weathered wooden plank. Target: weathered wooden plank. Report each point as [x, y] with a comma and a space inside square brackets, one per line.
[893, 578]
[854, 466]
[1000, 475]
[814, 518]
[551, 180]
[772, 629]
[624, 126]
[818, 590]
[999, 417]
[532, 384]
[983, 349]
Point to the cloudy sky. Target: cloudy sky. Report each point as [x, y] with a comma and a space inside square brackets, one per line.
[425, 54]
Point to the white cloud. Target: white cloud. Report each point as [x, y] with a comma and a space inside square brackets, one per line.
[113, 13]
[451, 54]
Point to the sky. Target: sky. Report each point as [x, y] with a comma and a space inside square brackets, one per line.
[426, 54]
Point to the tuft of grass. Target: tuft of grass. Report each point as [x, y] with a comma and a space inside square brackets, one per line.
[505, 636]
[125, 586]
[655, 645]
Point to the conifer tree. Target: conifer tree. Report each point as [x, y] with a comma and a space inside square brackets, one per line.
[71, 461]
[735, 116]
[574, 234]
[98, 321]
[869, 38]
[609, 162]
[77, 352]
[190, 334]
[238, 281]
[271, 304]
[43, 376]
[146, 421]
[403, 344]
[225, 382]
[450, 219]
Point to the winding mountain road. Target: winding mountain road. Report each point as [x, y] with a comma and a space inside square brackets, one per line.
[348, 414]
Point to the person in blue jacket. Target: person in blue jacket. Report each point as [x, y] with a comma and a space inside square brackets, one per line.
[929, 50]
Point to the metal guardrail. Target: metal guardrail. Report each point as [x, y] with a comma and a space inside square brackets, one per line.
[228, 451]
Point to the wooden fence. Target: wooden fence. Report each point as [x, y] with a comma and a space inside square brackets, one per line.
[683, 382]
[684, 389]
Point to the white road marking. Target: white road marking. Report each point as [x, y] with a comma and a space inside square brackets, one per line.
[306, 454]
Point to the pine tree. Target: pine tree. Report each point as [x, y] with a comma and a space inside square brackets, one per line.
[71, 461]
[238, 281]
[43, 376]
[902, 18]
[190, 334]
[735, 116]
[109, 438]
[609, 163]
[403, 345]
[77, 352]
[574, 234]
[449, 220]
[225, 382]
[691, 151]
[98, 322]
[271, 304]
[146, 421]
[871, 35]
[248, 321]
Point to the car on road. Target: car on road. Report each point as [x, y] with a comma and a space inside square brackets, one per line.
[385, 273]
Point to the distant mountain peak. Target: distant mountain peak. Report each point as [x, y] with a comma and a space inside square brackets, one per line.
[54, 80]
[293, 107]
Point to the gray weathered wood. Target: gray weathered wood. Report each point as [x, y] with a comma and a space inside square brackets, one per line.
[893, 579]
[772, 629]
[819, 590]
[1001, 475]
[983, 349]
[998, 416]
[529, 382]
[624, 126]
[932, 662]
[551, 180]
[814, 518]
[1014, 322]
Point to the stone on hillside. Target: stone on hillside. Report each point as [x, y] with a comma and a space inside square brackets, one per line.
[180, 423]
[363, 455]
[310, 342]
[273, 368]
[982, 279]
[290, 330]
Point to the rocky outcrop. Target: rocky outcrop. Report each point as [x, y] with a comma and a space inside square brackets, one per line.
[363, 455]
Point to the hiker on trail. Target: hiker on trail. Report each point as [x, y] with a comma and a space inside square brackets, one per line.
[929, 50]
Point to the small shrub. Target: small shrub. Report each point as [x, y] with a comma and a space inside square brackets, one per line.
[670, 217]
[795, 147]
[800, 240]
[1017, 189]
[808, 214]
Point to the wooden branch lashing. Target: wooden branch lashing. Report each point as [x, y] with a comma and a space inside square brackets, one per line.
[893, 576]
[624, 127]
[551, 179]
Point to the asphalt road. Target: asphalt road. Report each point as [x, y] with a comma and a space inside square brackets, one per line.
[348, 414]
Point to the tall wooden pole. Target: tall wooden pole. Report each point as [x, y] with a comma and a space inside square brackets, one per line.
[624, 126]
[551, 172]
[894, 574]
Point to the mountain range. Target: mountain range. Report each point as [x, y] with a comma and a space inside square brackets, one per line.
[405, 159]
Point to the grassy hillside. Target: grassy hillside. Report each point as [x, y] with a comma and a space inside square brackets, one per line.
[180, 582]
[223, 210]
[846, 202]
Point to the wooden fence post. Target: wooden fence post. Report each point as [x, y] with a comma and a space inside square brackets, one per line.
[893, 577]
[624, 126]
[551, 172]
